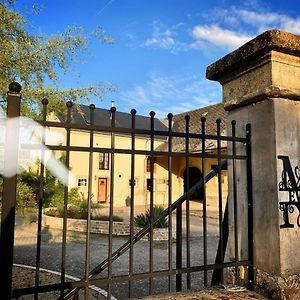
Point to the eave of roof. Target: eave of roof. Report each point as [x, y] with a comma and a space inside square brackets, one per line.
[211, 113]
[102, 117]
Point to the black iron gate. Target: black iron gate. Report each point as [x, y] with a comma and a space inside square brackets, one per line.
[180, 273]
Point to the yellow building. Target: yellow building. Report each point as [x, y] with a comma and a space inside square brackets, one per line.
[194, 167]
[103, 176]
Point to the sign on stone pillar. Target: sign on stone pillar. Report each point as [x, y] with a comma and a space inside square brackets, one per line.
[261, 86]
[290, 182]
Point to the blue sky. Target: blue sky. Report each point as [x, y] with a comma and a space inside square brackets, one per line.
[161, 47]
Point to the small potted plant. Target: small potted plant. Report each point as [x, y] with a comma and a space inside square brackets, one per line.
[127, 201]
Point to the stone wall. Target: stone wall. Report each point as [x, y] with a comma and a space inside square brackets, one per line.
[260, 83]
[101, 227]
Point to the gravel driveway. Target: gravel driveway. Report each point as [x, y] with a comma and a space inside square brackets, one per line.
[25, 240]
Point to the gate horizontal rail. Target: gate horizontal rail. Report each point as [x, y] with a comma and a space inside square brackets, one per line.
[145, 132]
[123, 278]
[127, 151]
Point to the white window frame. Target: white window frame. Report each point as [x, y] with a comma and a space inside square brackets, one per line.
[82, 180]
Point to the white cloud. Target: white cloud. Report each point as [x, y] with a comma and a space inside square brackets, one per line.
[225, 28]
[164, 42]
[164, 38]
[138, 95]
[268, 20]
[259, 21]
[184, 94]
[232, 27]
[218, 36]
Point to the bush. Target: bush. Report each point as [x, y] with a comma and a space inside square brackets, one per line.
[83, 204]
[57, 198]
[53, 212]
[142, 220]
[25, 197]
[53, 190]
[78, 212]
[106, 218]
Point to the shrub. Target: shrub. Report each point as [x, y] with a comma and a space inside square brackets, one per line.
[53, 212]
[127, 201]
[57, 198]
[78, 212]
[106, 218]
[97, 205]
[53, 189]
[25, 197]
[142, 220]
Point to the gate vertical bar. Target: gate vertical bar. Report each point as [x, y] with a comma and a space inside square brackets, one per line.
[235, 208]
[203, 120]
[179, 247]
[152, 114]
[111, 202]
[90, 190]
[40, 202]
[250, 208]
[132, 184]
[9, 191]
[170, 166]
[218, 121]
[216, 276]
[187, 203]
[66, 190]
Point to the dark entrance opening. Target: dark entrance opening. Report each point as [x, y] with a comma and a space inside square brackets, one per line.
[195, 175]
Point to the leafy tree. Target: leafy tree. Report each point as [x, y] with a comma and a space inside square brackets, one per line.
[33, 60]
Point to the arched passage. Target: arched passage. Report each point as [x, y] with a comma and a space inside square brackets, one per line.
[195, 176]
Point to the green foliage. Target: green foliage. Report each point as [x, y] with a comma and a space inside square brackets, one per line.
[57, 198]
[83, 204]
[106, 218]
[31, 179]
[127, 201]
[54, 191]
[142, 220]
[72, 213]
[34, 59]
[28, 191]
[79, 212]
[25, 197]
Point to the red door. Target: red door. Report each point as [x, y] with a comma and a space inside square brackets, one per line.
[102, 189]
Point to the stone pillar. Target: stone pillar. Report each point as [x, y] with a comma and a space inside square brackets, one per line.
[261, 86]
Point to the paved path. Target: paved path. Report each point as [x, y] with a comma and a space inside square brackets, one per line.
[25, 249]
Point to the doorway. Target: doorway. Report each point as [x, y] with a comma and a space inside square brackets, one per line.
[195, 176]
[102, 190]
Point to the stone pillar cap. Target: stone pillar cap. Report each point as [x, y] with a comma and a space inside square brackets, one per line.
[277, 40]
